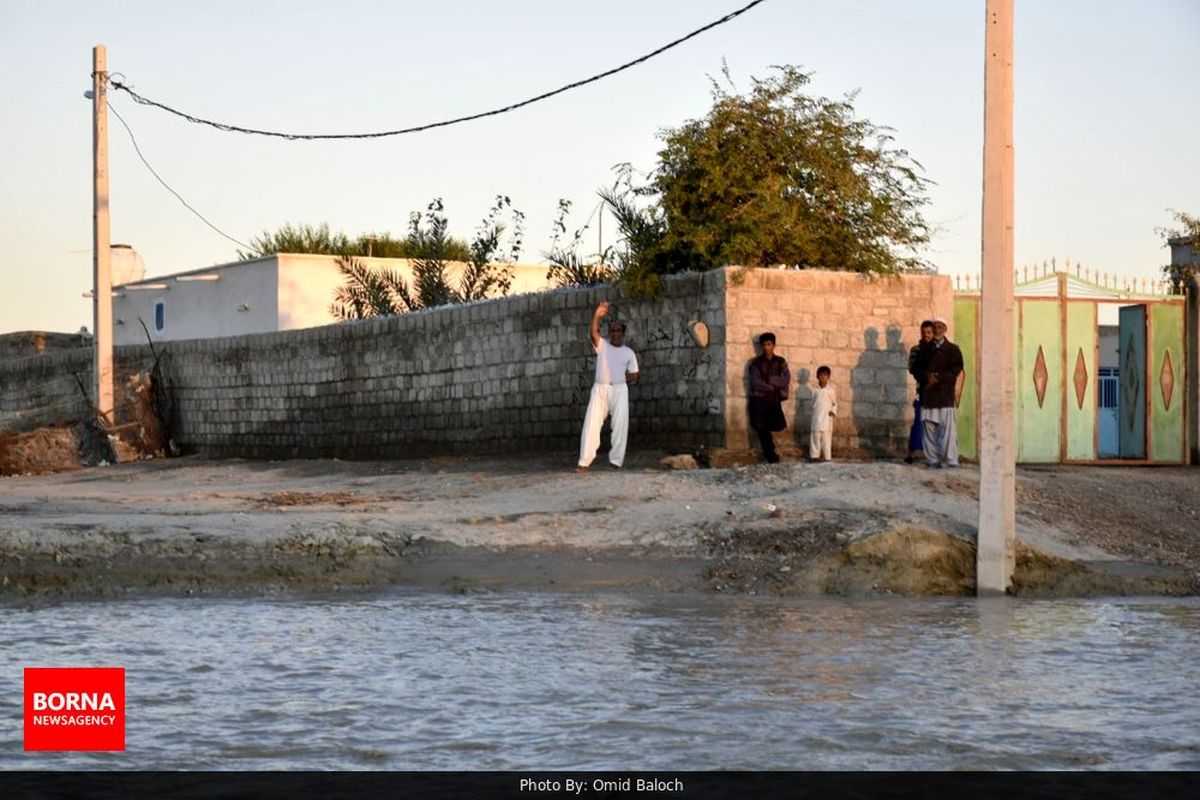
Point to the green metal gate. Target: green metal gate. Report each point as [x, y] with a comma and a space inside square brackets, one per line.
[1057, 381]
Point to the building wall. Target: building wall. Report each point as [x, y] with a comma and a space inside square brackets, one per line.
[506, 375]
[242, 301]
[513, 374]
[274, 293]
[1109, 355]
[861, 328]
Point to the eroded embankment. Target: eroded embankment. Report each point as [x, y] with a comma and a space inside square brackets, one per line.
[816, 559]
[809, 556]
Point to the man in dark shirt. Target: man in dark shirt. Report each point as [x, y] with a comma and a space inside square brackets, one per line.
[769, 380]
[939, 399]
[918, 362]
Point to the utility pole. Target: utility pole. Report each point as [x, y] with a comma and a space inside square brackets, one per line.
[102, 314]
[995, 551]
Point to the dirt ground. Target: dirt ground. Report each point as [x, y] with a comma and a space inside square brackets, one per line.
[193, 526]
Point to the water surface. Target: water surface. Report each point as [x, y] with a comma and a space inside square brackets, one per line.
[424, 680]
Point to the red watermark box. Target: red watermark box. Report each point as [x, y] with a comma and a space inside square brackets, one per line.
[74, 708]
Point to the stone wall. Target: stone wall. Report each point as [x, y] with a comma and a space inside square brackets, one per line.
[860, 327]
[32, 343]
[513, 374]
[504, 375]
[44, 390]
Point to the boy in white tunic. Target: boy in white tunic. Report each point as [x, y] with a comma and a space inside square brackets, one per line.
[616, 368]
[824, 409]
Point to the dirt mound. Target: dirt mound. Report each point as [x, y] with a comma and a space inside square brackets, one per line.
[40, 452]
[139, 434]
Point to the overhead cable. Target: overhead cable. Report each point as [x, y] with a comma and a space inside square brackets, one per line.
[444, 123]
[158, 177]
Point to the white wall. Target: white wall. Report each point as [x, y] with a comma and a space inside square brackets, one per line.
[274, 293]
[243, 300]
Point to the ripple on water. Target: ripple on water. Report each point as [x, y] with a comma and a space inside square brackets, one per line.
[418, 680]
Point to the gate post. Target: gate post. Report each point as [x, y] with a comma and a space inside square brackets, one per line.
[1191, 349]
[995, 554]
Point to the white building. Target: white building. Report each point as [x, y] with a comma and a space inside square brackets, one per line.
[273, 293]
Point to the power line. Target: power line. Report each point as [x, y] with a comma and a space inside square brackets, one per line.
[429, 126]
[186, 205]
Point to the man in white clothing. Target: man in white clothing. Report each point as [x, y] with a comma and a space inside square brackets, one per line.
[616, 368]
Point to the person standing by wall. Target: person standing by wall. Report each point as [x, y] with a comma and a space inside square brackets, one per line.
[769, 381]
[824, 409]
[616, 368]
[939, 399]
[918, 363]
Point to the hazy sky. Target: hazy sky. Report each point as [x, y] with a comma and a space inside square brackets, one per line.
[1107, 117]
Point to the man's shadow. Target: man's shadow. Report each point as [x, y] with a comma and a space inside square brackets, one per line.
[802, 414]
[879, 382]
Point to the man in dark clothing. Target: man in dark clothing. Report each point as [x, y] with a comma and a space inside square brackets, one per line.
[918, 362]
[939, 399]
[769, 380]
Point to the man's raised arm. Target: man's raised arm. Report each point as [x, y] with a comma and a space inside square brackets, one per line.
[601, 310]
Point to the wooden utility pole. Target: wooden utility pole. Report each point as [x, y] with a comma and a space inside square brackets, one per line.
[102, 314]
[995, 556]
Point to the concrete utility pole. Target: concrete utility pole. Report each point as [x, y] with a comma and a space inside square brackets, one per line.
[995, 555]
[102, 314]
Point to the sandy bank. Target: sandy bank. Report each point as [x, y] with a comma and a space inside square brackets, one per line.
[190, 526]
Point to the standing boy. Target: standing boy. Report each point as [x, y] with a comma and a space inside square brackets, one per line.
[823, 411]
[616, 367]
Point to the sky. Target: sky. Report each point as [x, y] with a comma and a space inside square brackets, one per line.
[1107, 109]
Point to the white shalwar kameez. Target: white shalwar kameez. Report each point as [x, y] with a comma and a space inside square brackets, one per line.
[610, 395]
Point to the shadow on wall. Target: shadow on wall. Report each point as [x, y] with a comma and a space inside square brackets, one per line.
[802, 415]
[879, 383]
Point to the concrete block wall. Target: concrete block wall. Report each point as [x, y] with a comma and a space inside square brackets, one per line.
[861, 327]
[513, 374]
[499, 376]
[22, 344]
[44, 390]
[41, 390]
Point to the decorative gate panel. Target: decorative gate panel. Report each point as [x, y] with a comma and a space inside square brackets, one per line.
[966, 330]
[1081, 372]
[1039, 381]
[1164, 386]
[1132, 401]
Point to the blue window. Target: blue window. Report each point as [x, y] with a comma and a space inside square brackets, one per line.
[160, 315]
[1110, 379]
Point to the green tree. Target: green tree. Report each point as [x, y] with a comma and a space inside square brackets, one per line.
[298, 239]
[776, 177]
[368, 292]
[320, 239]
[567, 266]
[385, 245]
[1186, 231]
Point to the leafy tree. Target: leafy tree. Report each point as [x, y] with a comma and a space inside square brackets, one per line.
[567, 266]
[776, 177]
[321, 240]
[369, 292]
[298, 239]
[488, 271]
[1188, 230]
[385, 245]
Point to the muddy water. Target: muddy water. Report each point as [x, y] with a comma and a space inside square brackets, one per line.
[422, 680]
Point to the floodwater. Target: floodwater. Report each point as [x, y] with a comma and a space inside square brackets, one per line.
[529, 681]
